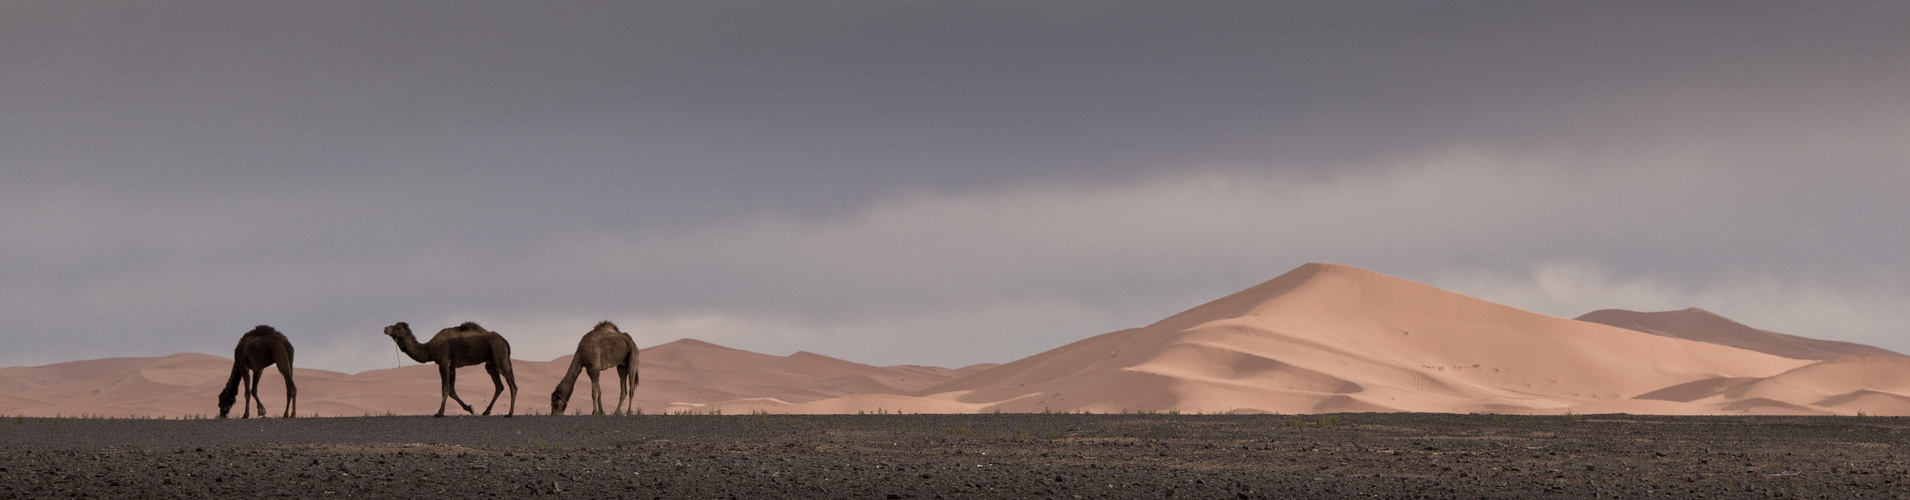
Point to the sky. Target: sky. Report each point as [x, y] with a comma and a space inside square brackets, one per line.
[935, 183]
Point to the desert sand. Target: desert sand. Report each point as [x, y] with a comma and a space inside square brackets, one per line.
[1321, 338]
[685, 375]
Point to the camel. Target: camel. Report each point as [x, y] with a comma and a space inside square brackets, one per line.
[259, 348]
[460, 346]
[603, 347]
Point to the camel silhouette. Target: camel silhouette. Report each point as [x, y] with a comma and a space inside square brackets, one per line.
[259, 348]
[603, 347]
[460, 346]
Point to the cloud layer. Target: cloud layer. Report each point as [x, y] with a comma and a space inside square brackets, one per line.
[926, 183]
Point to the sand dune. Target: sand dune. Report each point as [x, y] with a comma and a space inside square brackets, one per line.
[1321, 338]
[677, 376]
[1705, 326]
[1335, 338]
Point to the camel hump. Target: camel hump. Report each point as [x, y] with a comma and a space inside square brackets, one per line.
[470, 326]
[261, 330]
[608, 326]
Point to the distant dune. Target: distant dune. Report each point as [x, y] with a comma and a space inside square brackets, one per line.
[1321, 338]
[677, 376]
[1704, 326]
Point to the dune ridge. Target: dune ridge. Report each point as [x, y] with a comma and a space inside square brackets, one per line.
[1320, 338]
[1706, 326]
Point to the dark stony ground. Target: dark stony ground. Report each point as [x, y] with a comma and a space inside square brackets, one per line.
[962, 456]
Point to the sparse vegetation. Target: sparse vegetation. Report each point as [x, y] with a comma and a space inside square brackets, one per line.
[1326, 421]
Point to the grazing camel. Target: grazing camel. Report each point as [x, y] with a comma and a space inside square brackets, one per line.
[603, 347]
[459, 346]
[259, 348]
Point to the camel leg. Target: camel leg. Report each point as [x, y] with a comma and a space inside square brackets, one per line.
[623, 389]
[444, 388]
[258, 375]
[511, 379]
[449, 376]
[248, 391]
[596, 393]
[451, 384]
[291, 391]
[497, 383]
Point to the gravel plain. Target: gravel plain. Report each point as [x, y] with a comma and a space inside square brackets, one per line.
[962, 456]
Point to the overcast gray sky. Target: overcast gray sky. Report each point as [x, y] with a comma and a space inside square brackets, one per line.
[937, 183]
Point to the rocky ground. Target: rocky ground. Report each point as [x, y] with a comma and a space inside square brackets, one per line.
[962, 456]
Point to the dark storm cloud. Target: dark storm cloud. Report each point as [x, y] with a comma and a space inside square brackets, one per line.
[781, 166]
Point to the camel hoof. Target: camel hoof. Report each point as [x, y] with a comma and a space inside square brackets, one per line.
[440, 415]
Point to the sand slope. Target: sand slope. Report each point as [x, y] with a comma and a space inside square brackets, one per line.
[1336, 338]
[1321, 338]
[681, 375]
[1705, 326]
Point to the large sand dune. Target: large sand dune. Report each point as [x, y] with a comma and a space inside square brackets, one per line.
[1335, 338]
[1321, 338]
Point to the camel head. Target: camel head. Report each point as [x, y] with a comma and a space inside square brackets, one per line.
[559, 399]
[401, 329]
[227, 398]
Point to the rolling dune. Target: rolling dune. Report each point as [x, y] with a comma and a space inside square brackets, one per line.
[1321, 338]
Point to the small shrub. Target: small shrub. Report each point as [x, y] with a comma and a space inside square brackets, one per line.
[1328, 421]
[1294, 422]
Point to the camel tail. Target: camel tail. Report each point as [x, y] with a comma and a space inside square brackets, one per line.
[291, 390]
[633, 362]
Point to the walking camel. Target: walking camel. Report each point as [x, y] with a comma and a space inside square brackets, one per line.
[460, 346]
[259, 348]
[603, 347]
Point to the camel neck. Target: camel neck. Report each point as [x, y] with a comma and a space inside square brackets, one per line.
[409, 344]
